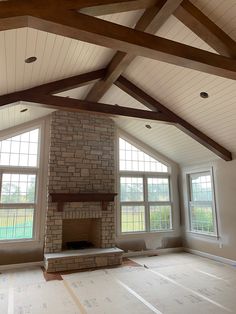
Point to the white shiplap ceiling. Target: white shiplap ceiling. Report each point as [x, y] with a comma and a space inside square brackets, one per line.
[176, 87]
[57, 57]
[221, 12]
[166, 139]
[12, 116]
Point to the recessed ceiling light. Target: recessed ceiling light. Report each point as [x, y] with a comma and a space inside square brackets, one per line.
[204, 95]
[30, 60]
[148, 126]
[24, 110]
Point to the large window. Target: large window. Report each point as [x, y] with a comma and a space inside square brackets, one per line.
[19, 160]
[201, 203]
[145, 202]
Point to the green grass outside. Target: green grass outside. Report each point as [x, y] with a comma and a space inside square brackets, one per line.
[132, 222]
[202, 220]
[15, 226]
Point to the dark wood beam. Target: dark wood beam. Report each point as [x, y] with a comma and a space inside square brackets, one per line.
[152, 19]
[14, 8]
[181, 124]
[95, 8]
[74, 105]
[118, 37]
[13, 14]
[9, 99]
[69, 83]
[204, 28]
[97, 31]
[13, 22]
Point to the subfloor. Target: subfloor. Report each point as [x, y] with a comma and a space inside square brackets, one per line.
[168, 284]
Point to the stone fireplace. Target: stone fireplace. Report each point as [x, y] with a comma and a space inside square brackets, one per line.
[81, 161]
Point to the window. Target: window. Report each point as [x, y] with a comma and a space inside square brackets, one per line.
[19, 160]
[201, 204]
[145, 203]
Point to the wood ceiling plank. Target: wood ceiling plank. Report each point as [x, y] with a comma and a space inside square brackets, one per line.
[204, 28]
[10, 52]
[40, 50]
[111, 35]
[3, 65]
[29, 51]
[181, 124]
[152, 19]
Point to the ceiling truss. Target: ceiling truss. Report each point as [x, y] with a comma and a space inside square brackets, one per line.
[76, 19]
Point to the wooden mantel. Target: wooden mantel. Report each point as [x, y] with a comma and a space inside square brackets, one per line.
[61, 198]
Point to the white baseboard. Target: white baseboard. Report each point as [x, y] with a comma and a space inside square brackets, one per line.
[211, 256]
[152, 252]
[21, 265]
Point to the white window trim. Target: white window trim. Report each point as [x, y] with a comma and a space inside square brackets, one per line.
[214, 235]
[41, 193]
[168, 174]
[145, 201]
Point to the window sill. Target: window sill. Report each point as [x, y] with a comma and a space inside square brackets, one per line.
[202, 235]
[123, 234]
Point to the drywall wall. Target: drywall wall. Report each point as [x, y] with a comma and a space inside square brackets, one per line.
[21, 254]
[225, 193]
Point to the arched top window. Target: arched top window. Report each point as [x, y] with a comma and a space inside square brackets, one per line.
[145, 194]
[20, 150]
[133, 159]
[19, 171]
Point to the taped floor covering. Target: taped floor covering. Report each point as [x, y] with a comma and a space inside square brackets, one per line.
[167, 284]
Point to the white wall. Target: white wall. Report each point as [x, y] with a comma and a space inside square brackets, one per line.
[225, 193]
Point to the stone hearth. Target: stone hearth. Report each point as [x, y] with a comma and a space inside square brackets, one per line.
[82, 259]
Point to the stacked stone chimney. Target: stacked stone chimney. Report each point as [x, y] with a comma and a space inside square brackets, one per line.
[81, 160]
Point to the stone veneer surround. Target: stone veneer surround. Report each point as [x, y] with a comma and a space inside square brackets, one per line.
[81, 160]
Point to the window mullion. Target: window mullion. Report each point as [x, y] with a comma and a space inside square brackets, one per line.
[24, 170]
[17, 205]
[0, 186]
[145, 192]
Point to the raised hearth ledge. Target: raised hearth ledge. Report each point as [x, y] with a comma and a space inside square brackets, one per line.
[84, 252]
[82, 259]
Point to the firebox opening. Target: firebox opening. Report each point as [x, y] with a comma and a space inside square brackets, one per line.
[78, 245]
[81, 233]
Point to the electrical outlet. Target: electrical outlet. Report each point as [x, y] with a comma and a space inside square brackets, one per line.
[220, 245]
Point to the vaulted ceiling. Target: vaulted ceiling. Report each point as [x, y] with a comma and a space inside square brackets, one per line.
[174, 86]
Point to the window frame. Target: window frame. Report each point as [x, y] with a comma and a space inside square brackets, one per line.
[41, 179]
[145, 202]
[211, 203]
